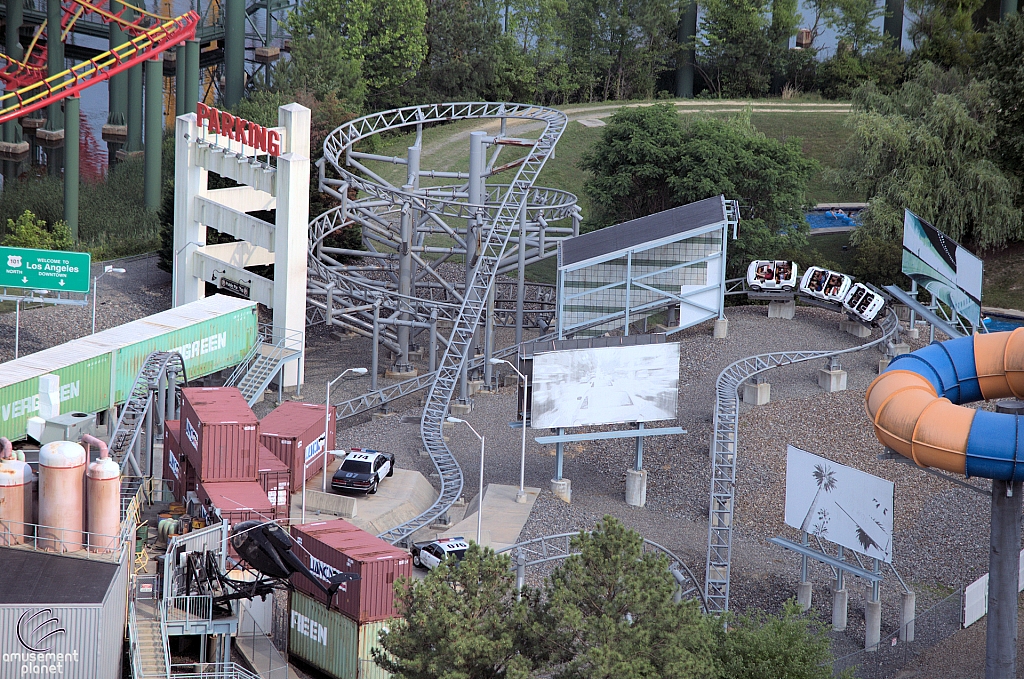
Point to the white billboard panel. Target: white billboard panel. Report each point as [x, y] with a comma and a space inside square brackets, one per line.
[839, 504]
[608, 385]
[942, 266]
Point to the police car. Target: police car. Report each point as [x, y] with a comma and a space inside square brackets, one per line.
[429, 554]
[363, 470]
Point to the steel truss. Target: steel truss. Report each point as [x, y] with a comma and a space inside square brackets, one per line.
[558, 547]
[723, 454]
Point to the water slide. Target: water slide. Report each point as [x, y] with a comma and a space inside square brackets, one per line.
[916, 405]
[36, 91]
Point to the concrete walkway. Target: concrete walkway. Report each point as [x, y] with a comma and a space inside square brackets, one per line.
[503, 517]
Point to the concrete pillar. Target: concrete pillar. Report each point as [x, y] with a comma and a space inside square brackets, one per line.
[721, 328]
[855, 329]
[636, 487]
[562, 489]
[154, 131]
[291, 238]
[832, 380]
[71, 168]
[892, 27]
[908, 606]
[840, 602]
[1003, 564]
[1007, 8]
[189, 180]
[180, 69]
[234, 52]
[117, 89]
[15, 17]
[134, 142]
[757, 394]
[872, 623]
[54, 60]
[685, 34]
[191, 95]
[803, 595]
[784, 310]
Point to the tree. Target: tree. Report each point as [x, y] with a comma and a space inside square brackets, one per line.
[463, 621]
[610, 613]
[785, 646]
[28, 231]
[943, 31]
[386, 38]
[854, 23]
[999, 60]
[734, 51]
[321, 64]
[928, 147]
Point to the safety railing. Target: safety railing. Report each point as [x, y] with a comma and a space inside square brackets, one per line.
[211, 671]
[134, 655]
[43, 538]
[187, 610]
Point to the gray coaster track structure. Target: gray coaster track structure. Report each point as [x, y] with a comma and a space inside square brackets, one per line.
[723, 453]
[494, 229]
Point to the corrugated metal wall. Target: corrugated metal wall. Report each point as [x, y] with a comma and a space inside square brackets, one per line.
[77, 646]
[112, 622]
[333, 643]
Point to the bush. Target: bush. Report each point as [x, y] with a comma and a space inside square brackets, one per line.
[30, 232]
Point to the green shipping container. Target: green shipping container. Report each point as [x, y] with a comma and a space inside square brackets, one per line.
[84, 387]
[333, 643]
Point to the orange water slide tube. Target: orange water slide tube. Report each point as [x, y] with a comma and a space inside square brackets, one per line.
[916, 405]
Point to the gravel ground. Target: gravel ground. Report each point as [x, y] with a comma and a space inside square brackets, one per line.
[940, 529]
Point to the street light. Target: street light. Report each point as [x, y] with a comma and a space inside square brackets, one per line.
[327, 428]
[174, 265]
[480, 497]
[95, 280]
[521, 495]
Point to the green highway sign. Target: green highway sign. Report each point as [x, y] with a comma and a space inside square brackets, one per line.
[44, 269]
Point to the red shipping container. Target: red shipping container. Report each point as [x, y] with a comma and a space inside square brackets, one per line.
[275, 479]
[219, 434]
[173, 475]
[237, 500]
[327, 547]
[294, 432]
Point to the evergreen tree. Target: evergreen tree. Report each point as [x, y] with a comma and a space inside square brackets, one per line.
[1000, 61]
[735, 47]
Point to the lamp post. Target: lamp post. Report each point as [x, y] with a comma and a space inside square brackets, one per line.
[480, 497]
[521, 495]
[327, 428]
[174, 265]
[95, 290]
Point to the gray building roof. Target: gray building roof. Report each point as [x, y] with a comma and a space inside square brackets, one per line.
[30, 577]
[693, 216]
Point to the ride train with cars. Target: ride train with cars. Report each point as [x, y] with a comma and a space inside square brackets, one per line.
[781, 276]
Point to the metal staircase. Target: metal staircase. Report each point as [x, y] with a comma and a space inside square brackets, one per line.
[148, 644]
[723, 455]
[263, 362]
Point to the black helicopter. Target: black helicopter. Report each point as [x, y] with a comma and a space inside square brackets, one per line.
[267, 549]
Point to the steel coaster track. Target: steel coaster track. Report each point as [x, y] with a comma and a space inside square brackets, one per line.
[558, 547]
[723, 454]
[495, 235]
[133, 414]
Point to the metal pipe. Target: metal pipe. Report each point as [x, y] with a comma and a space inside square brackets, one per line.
[191, 75]
[404, 286]
[71, 165]
[180, 61]
[432, 360]
[154, 131]
[521, 278]
[489, 338]
[234, 52]
[375, 349]
[134, 110]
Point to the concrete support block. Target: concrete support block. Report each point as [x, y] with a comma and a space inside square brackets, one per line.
[475, 387]
[460, 409]
[900, 349]
[401, 374]
[784, 310]
[872, 623]
[855, 329]
[383, 415]
[913, 333]
[757, 394]
[510, 380]
[832, 380]
[840, 601]
[883, 363]
[636, 488]
[908, 611]
[562, 488]
[721, 328]
[803, 595]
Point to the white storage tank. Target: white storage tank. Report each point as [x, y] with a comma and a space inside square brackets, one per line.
[61, 484]
[103, 498]
[15, 496]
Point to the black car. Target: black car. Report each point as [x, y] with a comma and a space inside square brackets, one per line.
[363, 470]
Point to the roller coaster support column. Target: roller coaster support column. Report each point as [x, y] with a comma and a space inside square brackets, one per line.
[291, 242]
[234, 52]
[15, 17]
[191, 75]
[154, 130]
[685, 34]
[489, 340]
[893, 23]
[71, 109]
[402, 365]
[180, 69]
[1007, 8]
[117, 99]
[134, 143]
[521, 281]
[54, 65]
[476, 170]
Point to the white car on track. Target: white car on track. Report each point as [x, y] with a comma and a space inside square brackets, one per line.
[771, 275]
[831, 286]
[863, 302]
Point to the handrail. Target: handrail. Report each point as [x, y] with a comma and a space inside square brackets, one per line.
[133, 641]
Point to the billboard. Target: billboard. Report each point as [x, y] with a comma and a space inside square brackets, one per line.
[942, 266]
[607, 385]
[839, 504]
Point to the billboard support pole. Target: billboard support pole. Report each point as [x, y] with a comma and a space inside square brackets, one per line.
[559, 451]
[639, 448]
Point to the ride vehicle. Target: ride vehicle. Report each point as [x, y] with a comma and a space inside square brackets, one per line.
[831, 286]
[766, 274]
[430, 553]
[363, 470]
[863, 302]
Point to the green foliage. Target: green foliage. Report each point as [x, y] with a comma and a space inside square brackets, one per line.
[927, 147]
[735, 47]
[610, 613]
[1000, 61]
[845, 71]
[30, 232]
[385, 38]
[462, 621]
[878, 260]
[943, 31]
[321, 65]
[785, 646]
[853, 21]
